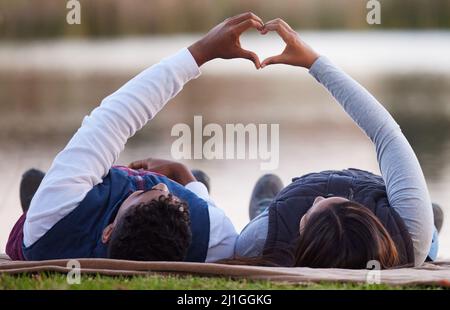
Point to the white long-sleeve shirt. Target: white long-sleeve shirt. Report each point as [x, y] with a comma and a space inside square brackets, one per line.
[94, 148]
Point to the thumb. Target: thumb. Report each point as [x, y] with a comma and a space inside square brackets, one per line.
[278, 59]
[250, 56]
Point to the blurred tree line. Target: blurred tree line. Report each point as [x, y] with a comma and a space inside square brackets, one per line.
[22, 19]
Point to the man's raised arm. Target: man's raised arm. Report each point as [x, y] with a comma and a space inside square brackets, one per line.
[97, 144]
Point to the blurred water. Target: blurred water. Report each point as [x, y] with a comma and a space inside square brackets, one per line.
[47, 87]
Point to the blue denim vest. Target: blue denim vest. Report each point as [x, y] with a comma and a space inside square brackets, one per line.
[79, 234]
[360, 186]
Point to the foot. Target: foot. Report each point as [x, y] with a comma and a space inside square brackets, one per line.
[265, 190]
[201, 177]
[29, 184]
[438, 216]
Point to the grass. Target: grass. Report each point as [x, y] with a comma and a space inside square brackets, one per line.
[52, 281]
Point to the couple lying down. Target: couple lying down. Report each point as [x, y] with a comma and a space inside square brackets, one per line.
[158, 210]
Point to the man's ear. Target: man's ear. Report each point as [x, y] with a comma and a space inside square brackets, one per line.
[107, 232]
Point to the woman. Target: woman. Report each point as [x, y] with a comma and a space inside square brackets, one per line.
[345, 219]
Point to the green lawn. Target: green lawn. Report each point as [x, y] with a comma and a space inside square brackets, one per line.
[58, 281]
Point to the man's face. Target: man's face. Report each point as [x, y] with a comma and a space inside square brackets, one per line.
[139, 197]
[136, 198]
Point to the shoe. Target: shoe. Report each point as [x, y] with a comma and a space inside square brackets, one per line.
[265, 190]
[201, 177]
[438, 216]
[29, 184]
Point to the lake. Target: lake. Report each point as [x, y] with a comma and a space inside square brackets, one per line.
[46, 87]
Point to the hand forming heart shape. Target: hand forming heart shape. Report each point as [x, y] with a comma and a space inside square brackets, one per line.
[223, 42]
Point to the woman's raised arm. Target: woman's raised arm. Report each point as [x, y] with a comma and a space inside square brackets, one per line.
[406, 187]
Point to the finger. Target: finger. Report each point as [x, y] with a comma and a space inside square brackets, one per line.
[282, 30]
[273, 24]
[279, 21]
[132, 165]
[249, 23]
[244, 16]
[282, 22]
[270, 22]
[250, 56]
[137, 164]
[278, 59]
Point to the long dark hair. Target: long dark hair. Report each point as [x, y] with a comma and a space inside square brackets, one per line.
[345, 235]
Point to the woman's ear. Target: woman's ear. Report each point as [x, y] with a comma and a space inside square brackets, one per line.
[107, 232]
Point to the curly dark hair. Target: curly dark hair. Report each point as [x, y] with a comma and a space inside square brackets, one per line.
[158, 230]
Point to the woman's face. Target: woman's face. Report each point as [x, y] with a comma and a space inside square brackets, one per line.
[320, 204]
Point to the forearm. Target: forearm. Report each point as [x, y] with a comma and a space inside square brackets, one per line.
[138, 101]
[182, 174]
[97, 144]
[406, 187]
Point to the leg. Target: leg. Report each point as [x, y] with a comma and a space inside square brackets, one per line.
[265, 190]
[434, 249]
[251, 240]
[29, 184]
[438, 216]
[438, 221]
[202, 177]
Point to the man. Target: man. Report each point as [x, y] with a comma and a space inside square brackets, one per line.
[84, 207]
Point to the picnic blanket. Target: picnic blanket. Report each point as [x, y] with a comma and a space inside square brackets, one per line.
[437, 273]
